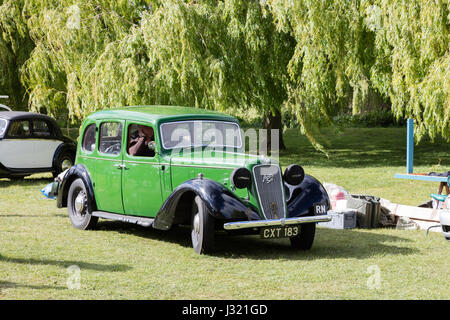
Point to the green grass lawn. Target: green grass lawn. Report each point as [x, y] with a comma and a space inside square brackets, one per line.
[122, 261]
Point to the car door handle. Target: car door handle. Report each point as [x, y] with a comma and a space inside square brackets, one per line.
[121, 166]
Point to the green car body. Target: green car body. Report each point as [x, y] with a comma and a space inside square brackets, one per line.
[195, 185]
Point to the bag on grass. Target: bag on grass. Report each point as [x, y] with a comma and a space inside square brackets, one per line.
[47, 191]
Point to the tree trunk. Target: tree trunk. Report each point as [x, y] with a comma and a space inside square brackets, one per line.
[274, 122]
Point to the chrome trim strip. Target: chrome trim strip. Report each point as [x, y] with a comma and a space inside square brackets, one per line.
[200, 166]
[95, 158]
[158, 163]
[143, 221]
[275, 222]
[143, 162]
[282, 187]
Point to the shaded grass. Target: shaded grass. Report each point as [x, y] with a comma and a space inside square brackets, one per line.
[123, 261]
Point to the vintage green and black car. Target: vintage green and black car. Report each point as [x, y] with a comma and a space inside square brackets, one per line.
[162, 166]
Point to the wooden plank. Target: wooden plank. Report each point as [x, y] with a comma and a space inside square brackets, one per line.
[421, 177]
[417, 213]
[423, 217]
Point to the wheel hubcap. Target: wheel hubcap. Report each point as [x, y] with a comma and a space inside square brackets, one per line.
[66, 164]
[79, 203]
[197, 223]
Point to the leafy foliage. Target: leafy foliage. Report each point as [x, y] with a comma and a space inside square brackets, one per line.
[15, 48]
[399, 48]
[212, 54]
[311, 58]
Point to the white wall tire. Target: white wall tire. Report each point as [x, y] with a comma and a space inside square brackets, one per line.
[202, 227]
[80, 213]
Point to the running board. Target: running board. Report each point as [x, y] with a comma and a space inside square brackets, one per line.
[145, 222]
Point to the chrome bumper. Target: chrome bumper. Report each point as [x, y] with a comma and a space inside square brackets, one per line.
[275, 222]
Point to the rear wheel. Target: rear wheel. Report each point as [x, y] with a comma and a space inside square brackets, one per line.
[64, 162]
[305, 239]
[202, 227]
[80, 213]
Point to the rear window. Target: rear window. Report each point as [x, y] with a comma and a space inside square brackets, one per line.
[3, 124]
[88, 143]
[41, 129]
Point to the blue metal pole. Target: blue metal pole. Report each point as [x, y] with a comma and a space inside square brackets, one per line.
[409, 145]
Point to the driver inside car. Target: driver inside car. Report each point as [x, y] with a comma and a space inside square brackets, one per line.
[139, 144]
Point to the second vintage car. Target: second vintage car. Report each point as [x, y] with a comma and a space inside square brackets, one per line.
[32, 143]
[162, 166]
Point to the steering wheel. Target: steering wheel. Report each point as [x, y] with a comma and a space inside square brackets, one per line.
[114, 149]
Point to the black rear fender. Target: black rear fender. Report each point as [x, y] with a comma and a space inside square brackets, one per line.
[66, 147]
[75, 172]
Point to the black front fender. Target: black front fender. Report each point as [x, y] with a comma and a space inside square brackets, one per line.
[301, 198]
[75, 172]
[221, 203]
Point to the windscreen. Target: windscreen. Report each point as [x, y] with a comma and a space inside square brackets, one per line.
[3, 124]
[201, 133]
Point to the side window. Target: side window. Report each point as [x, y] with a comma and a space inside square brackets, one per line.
[19, 129]
[139, 137]
[88, 143]
[41, 129]
[110, 137]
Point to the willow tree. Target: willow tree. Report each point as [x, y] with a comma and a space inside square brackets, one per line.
[412, 65]
[332, 58]
[15, 48]
[210, 54]
[69, 37]
[398, 48]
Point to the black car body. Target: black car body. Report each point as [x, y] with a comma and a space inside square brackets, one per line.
[32, 143]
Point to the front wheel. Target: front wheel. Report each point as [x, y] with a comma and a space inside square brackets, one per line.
[80, 213]
[202, 227]
[305, 239]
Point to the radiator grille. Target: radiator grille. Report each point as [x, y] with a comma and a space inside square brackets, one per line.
[269, 187]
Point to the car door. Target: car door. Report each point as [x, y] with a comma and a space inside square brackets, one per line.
[45, 143]
[108, 166]
[17, 146]
[141, 175]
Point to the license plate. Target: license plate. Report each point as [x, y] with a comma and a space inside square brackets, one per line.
[280, 232]
[319, 209]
